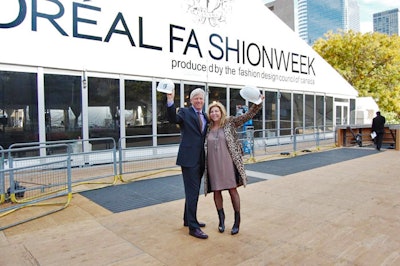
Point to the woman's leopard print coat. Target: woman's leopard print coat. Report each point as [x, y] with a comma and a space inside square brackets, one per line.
[234, 145]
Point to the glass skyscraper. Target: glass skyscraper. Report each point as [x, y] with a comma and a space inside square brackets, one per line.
[387, 22]
[317, 17]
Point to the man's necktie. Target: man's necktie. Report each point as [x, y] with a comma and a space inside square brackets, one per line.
[200, 121]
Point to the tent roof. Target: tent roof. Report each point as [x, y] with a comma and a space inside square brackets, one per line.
[234, 42]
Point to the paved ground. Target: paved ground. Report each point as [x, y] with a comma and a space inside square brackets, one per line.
[338, 207]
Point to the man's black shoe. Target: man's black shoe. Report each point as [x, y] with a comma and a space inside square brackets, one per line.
[200, 224]
[198, 233]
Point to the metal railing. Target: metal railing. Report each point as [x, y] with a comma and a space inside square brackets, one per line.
[90, 168]
[32, 173]
[308, 139]
[303, 139]
[139, 162]
[41, 183]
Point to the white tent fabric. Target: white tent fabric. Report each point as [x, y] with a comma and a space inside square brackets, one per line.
[233, 42]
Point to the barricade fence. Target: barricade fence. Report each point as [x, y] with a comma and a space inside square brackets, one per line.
[144, 161]
[31, 173]
[110, 161]
[42, 183]
[90, 168]
[106, 165]
[310, 139]
[269, 142]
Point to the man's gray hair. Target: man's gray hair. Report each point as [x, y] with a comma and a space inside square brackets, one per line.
[196, 92]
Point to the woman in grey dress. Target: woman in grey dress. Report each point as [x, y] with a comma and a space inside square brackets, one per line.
[224, 162]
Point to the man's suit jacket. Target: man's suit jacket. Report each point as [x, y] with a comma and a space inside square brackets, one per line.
[191, 148]
[378, 124]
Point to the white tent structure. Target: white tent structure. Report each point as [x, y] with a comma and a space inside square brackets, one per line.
[366, 110]
[223, 43]
[231, 41]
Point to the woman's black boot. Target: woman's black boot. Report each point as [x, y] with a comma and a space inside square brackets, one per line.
[221, 216]
[235, 228]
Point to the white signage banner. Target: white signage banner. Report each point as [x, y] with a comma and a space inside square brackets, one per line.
[222, 41]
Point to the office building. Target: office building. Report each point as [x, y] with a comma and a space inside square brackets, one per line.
[284, 9]
[387, 22]
[317, 17]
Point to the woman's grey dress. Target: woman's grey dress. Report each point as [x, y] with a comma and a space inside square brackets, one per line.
[220, 166]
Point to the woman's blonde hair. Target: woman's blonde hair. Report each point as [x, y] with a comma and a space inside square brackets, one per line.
[222, 110]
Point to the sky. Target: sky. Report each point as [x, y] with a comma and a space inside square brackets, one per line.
[367, 9]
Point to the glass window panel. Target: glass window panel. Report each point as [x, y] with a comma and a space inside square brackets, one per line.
[342, 100]
[103, 110]
[309, 111]
[339, 117]
[63, 107]
[320, 111]
[257, 119]
[352, 111]
[18, 108]
[236, 101]
[298, 111]
[345, 115]
[271, 113]
[163, 126]
[285, 114]
[138, 112]
[329, 113]
[217, 94]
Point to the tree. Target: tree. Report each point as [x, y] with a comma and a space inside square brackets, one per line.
[370, 62]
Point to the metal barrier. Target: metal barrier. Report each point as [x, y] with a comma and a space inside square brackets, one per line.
[304, 139]
[100, 167]
[312, 138]
[90, 168]
[41, 183]
[272, 143]
[139, 162]
[33, 171]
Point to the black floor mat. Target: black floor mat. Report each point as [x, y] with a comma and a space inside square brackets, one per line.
[309, 161]
[149, 192]
[142, 193]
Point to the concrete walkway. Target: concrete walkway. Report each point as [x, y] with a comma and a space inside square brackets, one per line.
[346, 213]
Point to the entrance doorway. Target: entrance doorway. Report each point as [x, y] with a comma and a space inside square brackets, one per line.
[341, 113]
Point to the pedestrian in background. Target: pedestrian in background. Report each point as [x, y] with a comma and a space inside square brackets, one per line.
[378, 126]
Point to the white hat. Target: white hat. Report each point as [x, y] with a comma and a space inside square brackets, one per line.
[165, 86]
[251, 94]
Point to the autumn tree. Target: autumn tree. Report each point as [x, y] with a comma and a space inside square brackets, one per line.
[370, 62]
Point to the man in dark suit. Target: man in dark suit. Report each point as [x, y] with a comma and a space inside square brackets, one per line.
[192, 122]
[378, 125]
